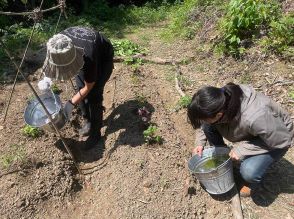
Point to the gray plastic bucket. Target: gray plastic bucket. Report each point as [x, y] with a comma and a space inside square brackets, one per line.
[216, 181]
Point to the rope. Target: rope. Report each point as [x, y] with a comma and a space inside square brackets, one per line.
[30, 12]
[18, 69]
[36, 95]
[47, 113]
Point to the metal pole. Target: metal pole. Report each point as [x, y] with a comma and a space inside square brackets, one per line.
[47, 113]
[18, 70]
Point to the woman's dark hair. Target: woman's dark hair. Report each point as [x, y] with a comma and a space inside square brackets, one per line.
[208, 101]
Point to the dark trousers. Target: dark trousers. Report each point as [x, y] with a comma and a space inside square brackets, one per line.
[252, 168]
[92, 105]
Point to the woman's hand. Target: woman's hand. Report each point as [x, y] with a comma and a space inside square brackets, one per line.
[198, 150]
[234, 156]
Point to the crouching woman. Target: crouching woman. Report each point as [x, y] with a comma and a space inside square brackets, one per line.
[238, 113]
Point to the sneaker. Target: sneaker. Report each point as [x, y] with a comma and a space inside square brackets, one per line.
[245, 191]
[92, 142]
[85, 130]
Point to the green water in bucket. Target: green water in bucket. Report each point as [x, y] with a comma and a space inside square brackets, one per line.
[211, 163]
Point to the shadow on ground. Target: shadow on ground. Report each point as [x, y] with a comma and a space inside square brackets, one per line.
[279, 179]
[123, 124]
[125, 120]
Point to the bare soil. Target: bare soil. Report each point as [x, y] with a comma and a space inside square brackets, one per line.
[124, 176]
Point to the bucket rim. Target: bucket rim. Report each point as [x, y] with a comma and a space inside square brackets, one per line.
[214, 169]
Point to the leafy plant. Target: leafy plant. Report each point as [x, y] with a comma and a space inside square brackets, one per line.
[16, 154]
[244, 19]
[55, 89]
[179, 22]
[183, 102]
[31, 131]
[141, 99]
[281, 35]
[150, 135]
[126, 48]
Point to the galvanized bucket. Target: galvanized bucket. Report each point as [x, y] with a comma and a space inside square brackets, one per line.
[35, 115]
[218, 180]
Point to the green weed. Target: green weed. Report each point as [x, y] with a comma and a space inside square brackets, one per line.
[179, 26]
[244, 19]
[32, 132]
[245, 78]
[291, 94]
[280, 39]
[55, 89]
[126, 48]
[150, 135]
[141, 99]
[183, 102]
[15, 154]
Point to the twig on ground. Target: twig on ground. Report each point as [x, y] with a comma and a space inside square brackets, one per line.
[145, 202]
[177, 73]
[281, 83]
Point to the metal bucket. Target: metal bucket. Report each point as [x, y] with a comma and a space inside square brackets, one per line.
[36, 116]
[218, 180]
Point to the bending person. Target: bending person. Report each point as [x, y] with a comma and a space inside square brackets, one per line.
[87, 54]
[238, 113]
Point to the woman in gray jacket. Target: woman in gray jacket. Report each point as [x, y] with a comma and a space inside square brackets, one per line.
[240, 114]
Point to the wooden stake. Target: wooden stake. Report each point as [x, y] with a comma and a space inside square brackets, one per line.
[236, 205]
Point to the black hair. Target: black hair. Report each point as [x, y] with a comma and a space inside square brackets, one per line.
[208, 101]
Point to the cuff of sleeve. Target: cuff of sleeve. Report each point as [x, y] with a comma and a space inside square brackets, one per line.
[71, 103]
[238, 152]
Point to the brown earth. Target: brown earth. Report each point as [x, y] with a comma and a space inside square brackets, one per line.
[124, 176]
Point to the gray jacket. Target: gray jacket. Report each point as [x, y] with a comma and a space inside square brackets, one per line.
[262, 125]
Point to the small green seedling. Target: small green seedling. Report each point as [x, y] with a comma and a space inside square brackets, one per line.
[31, 131]
[141, 99]
[291, 94]
[55, 89]
[183, 102]
[150, 135]
[16, 154]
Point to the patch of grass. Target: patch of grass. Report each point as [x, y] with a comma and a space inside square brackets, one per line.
[179, 26]
[185, 80]
[150, 135]
[245, 78]
[185, 18]
[117, 20]
[291, 94]
[280, 39]
[15, 154]
[31, 132]
[135, 79]
[141, 99]
[183, 103]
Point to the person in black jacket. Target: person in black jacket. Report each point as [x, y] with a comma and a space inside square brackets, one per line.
[88, 55]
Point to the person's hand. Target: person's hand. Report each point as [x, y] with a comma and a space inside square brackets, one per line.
[233, 156]
[68, 107]
[198, 150]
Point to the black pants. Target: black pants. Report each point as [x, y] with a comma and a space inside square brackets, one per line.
[92, 105]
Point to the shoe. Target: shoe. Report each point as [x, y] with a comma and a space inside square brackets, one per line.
[85, 130]
[92, 142]
[245, 191]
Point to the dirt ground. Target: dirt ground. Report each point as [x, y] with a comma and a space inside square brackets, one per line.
[124, 176]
